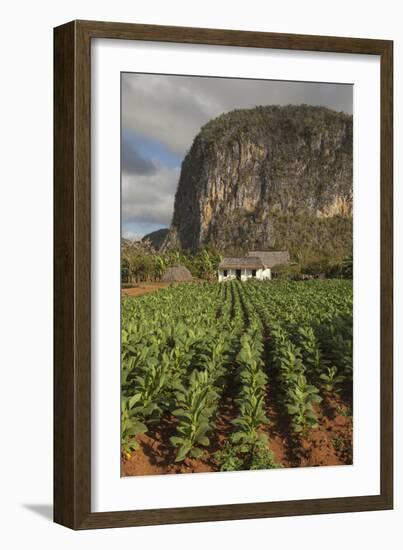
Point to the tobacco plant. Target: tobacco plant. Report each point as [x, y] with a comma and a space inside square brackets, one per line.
[299, 401]
[184, 345]
[251, 400]
[130, 427]
[313, 358]
[331, 380]
[196, 406]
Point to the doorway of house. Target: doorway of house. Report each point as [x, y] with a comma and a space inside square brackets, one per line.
[238, 274]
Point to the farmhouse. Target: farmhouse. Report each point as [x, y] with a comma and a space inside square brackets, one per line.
[256, 265]
[242, 269]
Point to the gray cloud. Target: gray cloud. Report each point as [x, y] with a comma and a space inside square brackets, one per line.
[173, 108]
[132, 161]
[169, 109]
[149, 198]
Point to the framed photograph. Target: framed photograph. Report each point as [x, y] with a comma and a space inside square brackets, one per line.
[222, 275]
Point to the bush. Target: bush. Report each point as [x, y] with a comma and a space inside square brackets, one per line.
[331, 268]
[286, 271]
[315, 268]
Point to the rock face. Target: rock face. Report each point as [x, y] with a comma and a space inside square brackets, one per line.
[257, 178]
[156, 238]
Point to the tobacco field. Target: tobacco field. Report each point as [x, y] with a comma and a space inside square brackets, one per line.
[237, 376]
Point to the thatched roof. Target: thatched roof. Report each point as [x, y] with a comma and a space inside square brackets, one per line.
[241, 263]
[270, 259]
[178, 274]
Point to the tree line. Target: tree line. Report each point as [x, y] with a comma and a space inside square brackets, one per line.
[140, 262]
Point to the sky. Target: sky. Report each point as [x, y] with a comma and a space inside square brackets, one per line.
[161, 115]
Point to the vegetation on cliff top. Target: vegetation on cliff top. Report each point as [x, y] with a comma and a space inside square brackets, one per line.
[300, 120]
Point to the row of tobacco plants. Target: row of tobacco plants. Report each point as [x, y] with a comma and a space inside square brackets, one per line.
[185, 346]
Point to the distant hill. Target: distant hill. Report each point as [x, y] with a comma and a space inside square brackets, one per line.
[267, 178]
[156, 238]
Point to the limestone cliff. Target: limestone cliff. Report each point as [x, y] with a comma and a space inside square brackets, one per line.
[268, 177]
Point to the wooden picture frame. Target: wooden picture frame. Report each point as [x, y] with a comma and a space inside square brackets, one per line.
[72, 271]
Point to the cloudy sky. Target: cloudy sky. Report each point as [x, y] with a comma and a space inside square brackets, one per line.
[161, 115]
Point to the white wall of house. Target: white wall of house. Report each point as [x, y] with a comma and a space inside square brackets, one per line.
[228, 274]
[265, 273]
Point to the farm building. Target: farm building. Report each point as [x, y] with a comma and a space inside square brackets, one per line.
[271, 258]
[242, 268]
[256, 265]
[177, 274]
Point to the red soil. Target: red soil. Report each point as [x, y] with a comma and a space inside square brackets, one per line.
[328, 445]
[143, 288]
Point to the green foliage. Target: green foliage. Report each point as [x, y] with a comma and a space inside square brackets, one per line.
[318, 244]
[331, 381]
[130, 427]
[313, 358]
[343, 410]
[330, 267]
[299, 396]
[228, 458]
[253, 381]
[299, 402]
[251, 417]
[233, 458]
[315, 267]
[262, 458]
[286, 271]
[196, 406]
[310, 327]
[140, 262]
[183, 346]
[347, 267]
[300, 120]
[339, 443]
